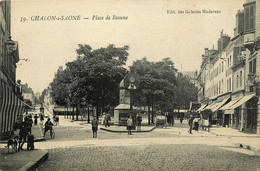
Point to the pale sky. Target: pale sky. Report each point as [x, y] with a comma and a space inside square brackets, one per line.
[149, 31]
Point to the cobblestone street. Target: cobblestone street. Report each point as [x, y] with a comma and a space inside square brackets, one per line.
[150, 157]
[162, 149]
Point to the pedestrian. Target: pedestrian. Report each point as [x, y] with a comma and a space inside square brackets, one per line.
[139, 121]
[190, 123]
[57, 119]
[129, 125]
[35, 119]
[22, 134]
[172, 120]
[94, 127]
[48, 126]
[181, 118]
[29, 122]
[41, 118]
[196, 124]
[108, 119]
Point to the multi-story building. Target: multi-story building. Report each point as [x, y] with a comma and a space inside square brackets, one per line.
[227, 80]
[11, 106]
[27, 93]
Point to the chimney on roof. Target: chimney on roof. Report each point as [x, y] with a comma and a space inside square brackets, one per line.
[223, 41]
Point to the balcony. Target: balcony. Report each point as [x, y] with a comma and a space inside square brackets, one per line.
[249, 40]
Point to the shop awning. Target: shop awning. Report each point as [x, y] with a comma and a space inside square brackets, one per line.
[201, 107]
[219, 105]
[194, 106]
[180, 110]
[63, 109]
[27, 105]
[209, 106]
[242, 101]
[227, 106]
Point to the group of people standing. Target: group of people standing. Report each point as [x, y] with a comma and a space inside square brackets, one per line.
[25, 130]
[129, 124]
[193, 124]
[107, 121]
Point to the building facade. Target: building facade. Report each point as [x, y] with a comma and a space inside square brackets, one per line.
[228, 80]
[11, 105]
[28, 94]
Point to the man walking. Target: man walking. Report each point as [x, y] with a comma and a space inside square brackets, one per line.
[190, 124]
[129, 125]
[22, 134]
[139, 121]
[94, 127]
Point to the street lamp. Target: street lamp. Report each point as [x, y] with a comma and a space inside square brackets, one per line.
[131, 83]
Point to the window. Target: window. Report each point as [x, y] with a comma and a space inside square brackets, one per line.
[252, 66]
[219, 88]
[249, 17]
[230, 84]
[227, 85]
[222, 66]
[237, 81]
[241, 78]
[222, 86]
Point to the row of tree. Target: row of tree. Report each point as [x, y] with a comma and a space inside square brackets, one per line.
[94, 77]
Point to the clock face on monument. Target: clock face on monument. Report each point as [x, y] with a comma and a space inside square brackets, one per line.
[132, 79]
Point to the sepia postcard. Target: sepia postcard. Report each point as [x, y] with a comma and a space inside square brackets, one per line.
[129, 85]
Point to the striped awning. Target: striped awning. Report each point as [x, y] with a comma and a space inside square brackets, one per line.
[210, 105]
[242, 101]
[219, 105]
[11, 108]
[201, 107]
[228, 105]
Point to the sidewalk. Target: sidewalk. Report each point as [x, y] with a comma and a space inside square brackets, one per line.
[241, 139]
[22, 160]
[36, 131]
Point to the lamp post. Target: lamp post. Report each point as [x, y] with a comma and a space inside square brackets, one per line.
[131, 83]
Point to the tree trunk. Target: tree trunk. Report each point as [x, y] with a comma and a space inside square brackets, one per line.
[77, 113]
[149, 117]
[152, 111]
[67, 111]
[97, 111]
[73, 113]
[88, 115]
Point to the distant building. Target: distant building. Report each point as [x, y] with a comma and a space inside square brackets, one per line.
[192, 75]
[27, 93]
[11, 106]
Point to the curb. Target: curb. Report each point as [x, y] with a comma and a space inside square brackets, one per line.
[104, 129]
[32, 165]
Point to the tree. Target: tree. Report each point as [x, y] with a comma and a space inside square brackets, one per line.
[157, 80]
[185, 91]
[93, 78]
